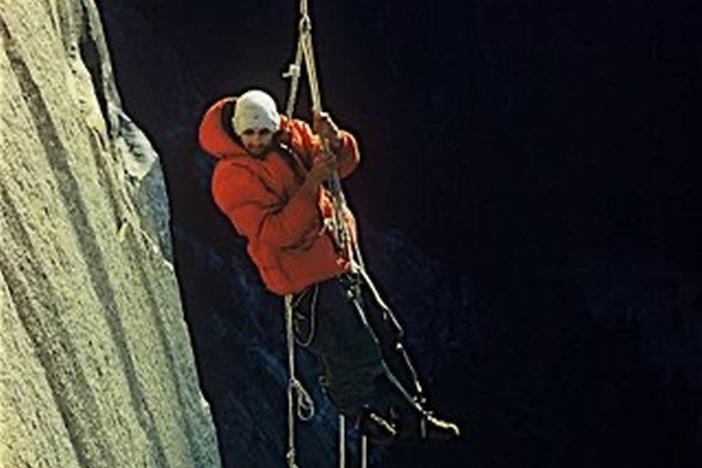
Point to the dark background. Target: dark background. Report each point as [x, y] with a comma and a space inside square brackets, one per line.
[531, 175]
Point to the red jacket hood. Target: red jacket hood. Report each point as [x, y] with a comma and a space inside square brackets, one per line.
[216, 134]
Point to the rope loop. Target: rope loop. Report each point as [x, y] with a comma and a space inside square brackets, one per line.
[305, 404]
[305, 24]
[294, 71]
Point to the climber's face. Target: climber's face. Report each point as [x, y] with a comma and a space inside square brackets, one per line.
[256, 140]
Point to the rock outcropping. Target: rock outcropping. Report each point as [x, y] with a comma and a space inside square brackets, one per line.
[96, 368]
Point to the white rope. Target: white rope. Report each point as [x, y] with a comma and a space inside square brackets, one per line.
[305, 43]
[342, 441]
[305, 404]
[305, 50]
[294, 71]
[291, 378]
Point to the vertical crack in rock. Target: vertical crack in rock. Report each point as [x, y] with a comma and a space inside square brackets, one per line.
[102, 66]
[60, 339]
[104, 178]
[69, 189]
[91, 59]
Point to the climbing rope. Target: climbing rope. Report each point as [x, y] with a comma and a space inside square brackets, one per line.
[343, 240]
[293, 74]
[342, 441]
[305, 50]
[305, 404]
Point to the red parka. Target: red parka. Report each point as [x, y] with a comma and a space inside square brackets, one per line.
[283, 220]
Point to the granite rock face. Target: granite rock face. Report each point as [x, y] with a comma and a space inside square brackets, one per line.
[96, 366]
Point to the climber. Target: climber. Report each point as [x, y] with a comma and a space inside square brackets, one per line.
[270, 181]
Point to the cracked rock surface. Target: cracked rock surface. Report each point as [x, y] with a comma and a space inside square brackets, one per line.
[96, 366]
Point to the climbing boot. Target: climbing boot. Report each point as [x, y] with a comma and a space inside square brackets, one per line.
[433, 428]
[378, 430]
[414, 424]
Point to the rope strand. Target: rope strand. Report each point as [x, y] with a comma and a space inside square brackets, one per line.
[343, 239]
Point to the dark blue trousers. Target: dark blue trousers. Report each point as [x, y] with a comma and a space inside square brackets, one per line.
[331, 321]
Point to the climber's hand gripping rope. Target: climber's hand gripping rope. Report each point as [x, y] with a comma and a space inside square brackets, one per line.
[327, 130]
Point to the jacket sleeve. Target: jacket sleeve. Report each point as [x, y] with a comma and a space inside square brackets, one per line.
[258, 213]
[348, 154]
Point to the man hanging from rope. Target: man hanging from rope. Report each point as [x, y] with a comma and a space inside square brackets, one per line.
[271, 182]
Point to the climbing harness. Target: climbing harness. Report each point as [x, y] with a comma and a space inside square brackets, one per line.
[345, 242]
